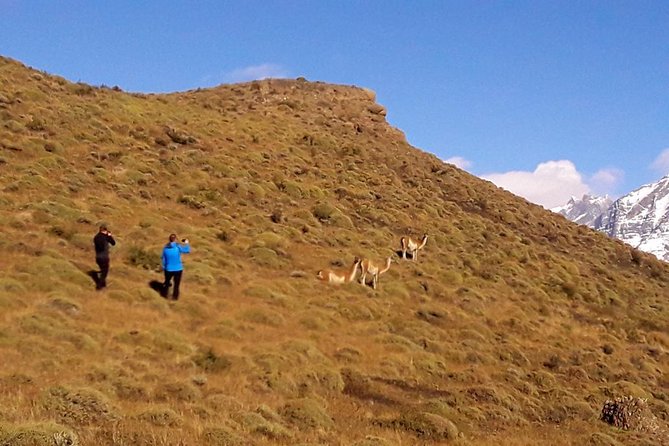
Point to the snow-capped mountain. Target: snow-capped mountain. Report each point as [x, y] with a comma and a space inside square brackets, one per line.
[640, 218]
[586, 211]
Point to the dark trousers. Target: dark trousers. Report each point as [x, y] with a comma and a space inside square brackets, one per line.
[103, 263]
[177, 281]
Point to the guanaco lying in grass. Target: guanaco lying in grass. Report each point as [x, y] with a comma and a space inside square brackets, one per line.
[331, 276]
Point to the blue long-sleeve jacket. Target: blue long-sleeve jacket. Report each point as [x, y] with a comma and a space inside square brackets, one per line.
[172, 256]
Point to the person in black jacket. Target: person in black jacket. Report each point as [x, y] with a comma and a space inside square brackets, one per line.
[101, 241]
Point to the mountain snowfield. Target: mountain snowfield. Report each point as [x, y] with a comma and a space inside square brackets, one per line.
[640, 218]
[588, 210]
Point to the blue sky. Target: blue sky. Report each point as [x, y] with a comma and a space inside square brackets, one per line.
[547, 98]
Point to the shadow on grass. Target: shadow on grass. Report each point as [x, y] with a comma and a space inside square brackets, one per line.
[399, 254]
[158, 287]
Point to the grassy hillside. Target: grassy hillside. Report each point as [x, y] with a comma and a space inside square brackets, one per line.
[512, 328]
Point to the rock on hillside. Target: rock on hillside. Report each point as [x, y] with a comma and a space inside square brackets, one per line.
[513, 327]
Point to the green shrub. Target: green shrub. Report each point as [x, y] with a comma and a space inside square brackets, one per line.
[426, 425]
[371, 440]
[41, 434]
[141, 258]
[265, 257]
[192, 202]
[270, 240]
[257, 424]
[218, 436]
[78, 406]
[160, 416]
[290, 188]
[209, 361]
[324, 211]
[306, 414]
[179, 391]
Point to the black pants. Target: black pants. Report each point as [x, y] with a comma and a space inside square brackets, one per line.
[177, 282]
[103, 263]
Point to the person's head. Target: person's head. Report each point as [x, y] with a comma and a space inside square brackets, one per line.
[103, 228]
[173, 238]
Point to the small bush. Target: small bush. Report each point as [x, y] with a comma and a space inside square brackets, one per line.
[143, 259]
[43, 434]
[79, 406]
[265, 257]
[36, 124]
[324, 211]
[257, 424]
[209, 361]
[426, 425]
[192, 202]
[178, 391]
[306, 414]
[65, 305]
[180, 137]
[371, 440]
[270, 240]
[160, 416]
[218, 436]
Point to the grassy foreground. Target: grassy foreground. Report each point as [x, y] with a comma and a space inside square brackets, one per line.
[512, 328]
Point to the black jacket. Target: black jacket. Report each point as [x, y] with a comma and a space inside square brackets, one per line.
[102, 242]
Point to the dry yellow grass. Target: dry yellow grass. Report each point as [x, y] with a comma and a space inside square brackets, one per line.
[513, 327]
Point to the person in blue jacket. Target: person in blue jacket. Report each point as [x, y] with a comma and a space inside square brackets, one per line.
[172, 265]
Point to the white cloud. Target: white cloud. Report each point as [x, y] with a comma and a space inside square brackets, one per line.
[551, 184]
[605, 181]
[256, 72]
[661, 163]
[459, 161]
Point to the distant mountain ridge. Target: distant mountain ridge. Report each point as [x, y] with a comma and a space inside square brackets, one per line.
[640, 218]
[588, 210]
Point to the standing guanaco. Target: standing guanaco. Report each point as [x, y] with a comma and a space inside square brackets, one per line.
[375, 270]
[411, 245]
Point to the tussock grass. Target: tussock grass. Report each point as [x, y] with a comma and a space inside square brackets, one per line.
[42, 434]
[78, 406]
[513, 326]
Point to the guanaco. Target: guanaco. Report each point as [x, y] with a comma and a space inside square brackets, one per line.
[331, 276]
[375, 270]
[411, 245]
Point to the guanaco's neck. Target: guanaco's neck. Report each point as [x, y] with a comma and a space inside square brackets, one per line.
[354, 269]
[387, 267]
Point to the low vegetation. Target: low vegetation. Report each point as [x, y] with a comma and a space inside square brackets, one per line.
[514, 326]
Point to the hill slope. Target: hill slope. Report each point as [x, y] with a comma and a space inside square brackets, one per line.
[513, 327]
